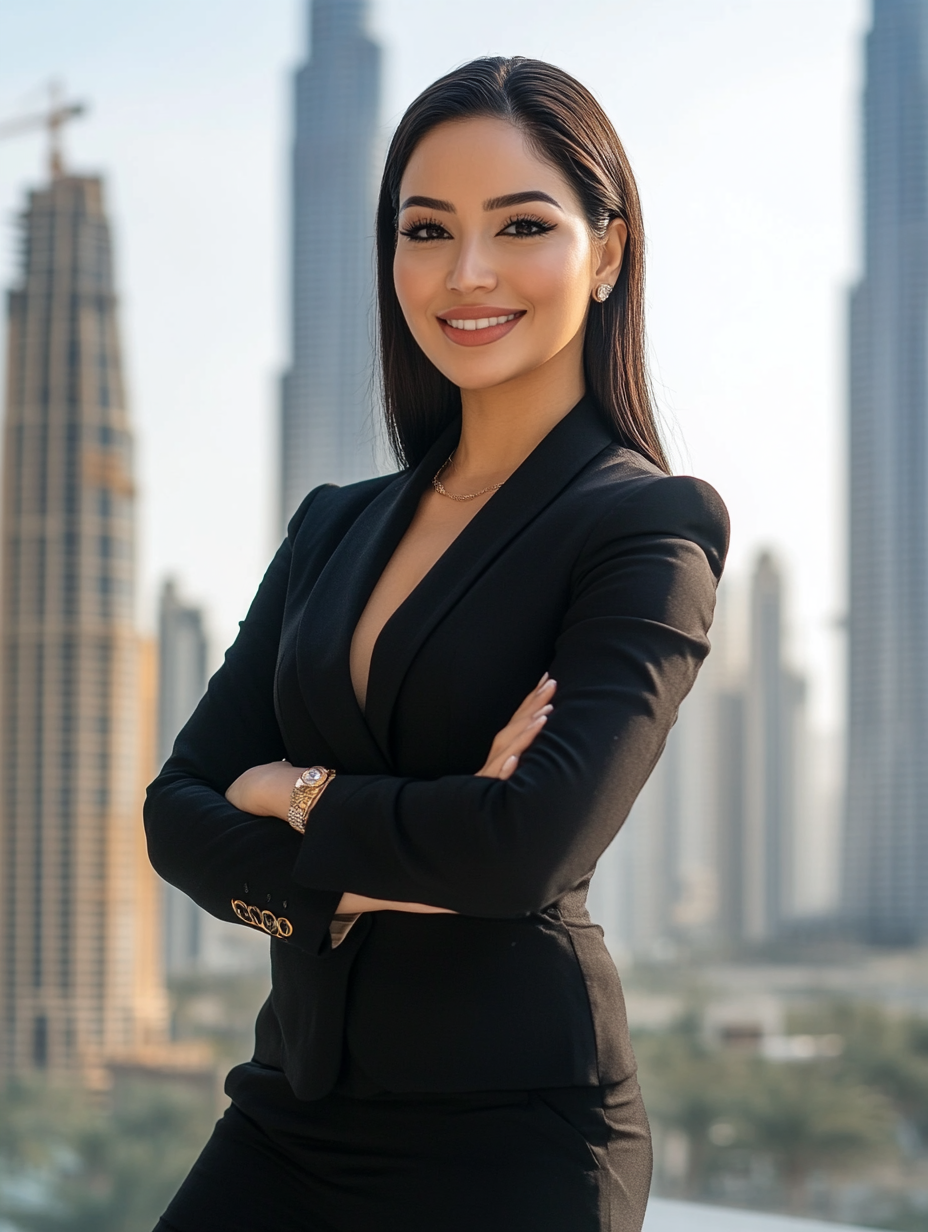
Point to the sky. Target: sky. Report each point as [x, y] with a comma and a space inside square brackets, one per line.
[740, 118]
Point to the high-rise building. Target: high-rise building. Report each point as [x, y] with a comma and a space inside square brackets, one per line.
[182, 651]
[71, 929]
[886, 835]
[774, 717]
[327, 432]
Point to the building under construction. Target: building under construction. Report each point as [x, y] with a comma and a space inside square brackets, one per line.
[79, 932]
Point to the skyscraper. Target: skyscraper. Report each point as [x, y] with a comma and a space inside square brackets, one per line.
[326, 426]
[181, 684]
[774, 711]
[70, 831]
[886, 837]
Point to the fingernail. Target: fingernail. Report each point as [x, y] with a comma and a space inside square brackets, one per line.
[543, 710]
[510, 761]
[542, 680]
[542, 719]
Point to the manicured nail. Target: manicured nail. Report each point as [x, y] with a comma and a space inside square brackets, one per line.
[541, 682]
[543, 710]
[540, 721]
[510, 761]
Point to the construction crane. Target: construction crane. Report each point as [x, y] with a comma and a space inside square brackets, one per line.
[53, 120]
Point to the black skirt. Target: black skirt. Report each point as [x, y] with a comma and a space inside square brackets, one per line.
[573, 1159]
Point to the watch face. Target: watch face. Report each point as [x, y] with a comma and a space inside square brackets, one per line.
[312, 776]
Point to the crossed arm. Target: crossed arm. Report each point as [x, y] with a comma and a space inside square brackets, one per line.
[264, 791]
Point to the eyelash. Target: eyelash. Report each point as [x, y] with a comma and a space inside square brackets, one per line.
[422, 224]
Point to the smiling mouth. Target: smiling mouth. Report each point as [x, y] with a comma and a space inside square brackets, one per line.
[472, 330]
[480, 322]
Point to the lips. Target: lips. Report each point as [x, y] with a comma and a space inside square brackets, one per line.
[479, 324]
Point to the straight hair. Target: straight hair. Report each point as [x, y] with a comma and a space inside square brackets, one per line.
[566, 126]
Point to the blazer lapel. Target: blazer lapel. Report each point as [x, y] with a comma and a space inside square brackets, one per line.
[565, 451]
[335, 604]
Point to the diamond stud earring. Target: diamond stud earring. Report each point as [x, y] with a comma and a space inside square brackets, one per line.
[602, 292]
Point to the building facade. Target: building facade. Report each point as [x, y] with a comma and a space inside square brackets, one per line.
[327, 430]
[886, 818]
[77, 979]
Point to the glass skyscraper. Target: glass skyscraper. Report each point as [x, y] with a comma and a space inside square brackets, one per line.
[886, 837]
[327, 432]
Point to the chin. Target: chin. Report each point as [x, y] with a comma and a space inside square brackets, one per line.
[483, 375]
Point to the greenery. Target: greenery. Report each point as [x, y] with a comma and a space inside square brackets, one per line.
[72, 1163]
[841, 1136]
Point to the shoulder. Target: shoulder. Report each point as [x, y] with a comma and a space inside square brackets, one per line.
[633, 498]
[331, 506]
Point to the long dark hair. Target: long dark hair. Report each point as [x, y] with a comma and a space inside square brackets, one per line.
[568, 128]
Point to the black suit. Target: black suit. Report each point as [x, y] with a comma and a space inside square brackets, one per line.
[590, 563]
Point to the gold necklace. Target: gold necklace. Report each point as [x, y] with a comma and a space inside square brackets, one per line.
[443, 491]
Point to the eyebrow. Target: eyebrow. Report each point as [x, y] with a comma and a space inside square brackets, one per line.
[492, 203]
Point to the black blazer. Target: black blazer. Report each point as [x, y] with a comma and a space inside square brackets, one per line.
[590, 563]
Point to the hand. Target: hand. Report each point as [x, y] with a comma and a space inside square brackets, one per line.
[509, 744]
[264, 791]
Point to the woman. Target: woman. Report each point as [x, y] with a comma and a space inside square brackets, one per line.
[445, 1045]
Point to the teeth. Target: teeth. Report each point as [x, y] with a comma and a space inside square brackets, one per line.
[482, 322]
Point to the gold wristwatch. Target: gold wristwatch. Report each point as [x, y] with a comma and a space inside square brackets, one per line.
[306, 792]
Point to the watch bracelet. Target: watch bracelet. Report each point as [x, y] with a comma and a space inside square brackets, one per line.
[303, 799]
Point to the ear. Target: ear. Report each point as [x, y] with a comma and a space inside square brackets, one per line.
[611, 251]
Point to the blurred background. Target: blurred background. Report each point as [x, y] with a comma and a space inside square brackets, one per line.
[186, 193]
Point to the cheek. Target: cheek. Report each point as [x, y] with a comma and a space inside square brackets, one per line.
[559, 284]
[416, 276]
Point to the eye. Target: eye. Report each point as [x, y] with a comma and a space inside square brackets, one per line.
[526, 226]
[424, 229]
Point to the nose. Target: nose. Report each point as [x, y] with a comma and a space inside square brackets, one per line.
[472, 270]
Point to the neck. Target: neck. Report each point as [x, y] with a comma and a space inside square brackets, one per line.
[501, 426]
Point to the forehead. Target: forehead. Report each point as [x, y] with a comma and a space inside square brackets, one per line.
[476, 159]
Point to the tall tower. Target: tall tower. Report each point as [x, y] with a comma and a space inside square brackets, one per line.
[70, 834]
[326, 425]
[886, 837]
[774, 706]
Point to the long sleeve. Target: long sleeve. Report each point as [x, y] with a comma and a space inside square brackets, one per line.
[198, 841]
[628, 652]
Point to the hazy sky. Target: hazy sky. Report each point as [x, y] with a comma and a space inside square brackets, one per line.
[740, 119]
